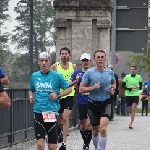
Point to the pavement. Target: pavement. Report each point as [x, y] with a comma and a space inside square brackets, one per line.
[120, 137]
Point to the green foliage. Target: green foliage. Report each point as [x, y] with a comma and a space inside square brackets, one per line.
[43, 29]
[3, 9]
[4, 48]
[43, 40]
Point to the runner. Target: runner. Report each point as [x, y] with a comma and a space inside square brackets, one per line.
[99, 82]
[44, 92]
[65, 68]
[82, 100]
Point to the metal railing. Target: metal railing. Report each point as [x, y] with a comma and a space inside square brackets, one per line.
[16, 123]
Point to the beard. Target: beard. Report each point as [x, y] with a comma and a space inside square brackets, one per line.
[65, 59]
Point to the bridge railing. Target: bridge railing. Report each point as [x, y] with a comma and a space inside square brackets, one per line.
[16, 123]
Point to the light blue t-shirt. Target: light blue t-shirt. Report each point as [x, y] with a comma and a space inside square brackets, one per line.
[105, 78]
[41, 85]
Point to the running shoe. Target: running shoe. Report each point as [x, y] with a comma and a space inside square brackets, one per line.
[85, 147]
[62, 147]
[130, 126]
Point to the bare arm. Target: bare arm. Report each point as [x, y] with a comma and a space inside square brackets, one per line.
[84, 89]
[113, 84]
[54, 96]
[31, 97]
[4, 100]
[74, 67]
[54, 67]
[4, 80]
[66, 91]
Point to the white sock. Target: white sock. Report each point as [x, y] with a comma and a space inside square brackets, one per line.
[63, 143]
[102, 143]
[95, 141]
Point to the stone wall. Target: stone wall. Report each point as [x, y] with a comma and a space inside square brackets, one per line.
[83, 26]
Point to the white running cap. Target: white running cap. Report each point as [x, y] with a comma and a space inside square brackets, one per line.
[85, 56]
[44, 55]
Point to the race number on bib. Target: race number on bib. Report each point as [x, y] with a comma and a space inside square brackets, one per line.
[49, 116]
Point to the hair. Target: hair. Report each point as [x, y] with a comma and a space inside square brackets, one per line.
[65, 48]
[134, 66]
[101, 51]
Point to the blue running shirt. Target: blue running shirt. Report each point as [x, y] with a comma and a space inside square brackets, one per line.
[148, 86]
[81, 98]
[2, 74]
[105, 78]
[41, 85]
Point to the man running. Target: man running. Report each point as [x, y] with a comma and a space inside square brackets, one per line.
[44, 92]
[99, 82]
[132, 84]
[82, 100]
[65, 68]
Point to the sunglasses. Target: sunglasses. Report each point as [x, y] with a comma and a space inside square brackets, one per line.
[98, 57]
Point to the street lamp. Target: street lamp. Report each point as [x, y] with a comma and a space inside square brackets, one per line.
[22, 5]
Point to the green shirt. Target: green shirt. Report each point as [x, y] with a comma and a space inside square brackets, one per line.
[67, 76]
[132, 81]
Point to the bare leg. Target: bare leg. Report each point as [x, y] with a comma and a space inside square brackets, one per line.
[40, 144]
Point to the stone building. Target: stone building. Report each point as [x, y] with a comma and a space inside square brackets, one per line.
[83, 26]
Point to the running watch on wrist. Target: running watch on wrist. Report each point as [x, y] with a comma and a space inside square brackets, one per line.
[59, 96]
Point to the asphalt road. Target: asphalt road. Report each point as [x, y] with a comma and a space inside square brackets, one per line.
[120, 137]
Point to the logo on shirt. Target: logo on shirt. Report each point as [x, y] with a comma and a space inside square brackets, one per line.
[43, 85]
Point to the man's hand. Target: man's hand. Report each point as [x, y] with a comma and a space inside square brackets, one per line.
[133, 87]
[96, 85]
[31, 98]
[78, 76]
[112, 90]
[53, 96]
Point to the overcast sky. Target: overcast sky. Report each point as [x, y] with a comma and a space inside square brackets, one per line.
[12, 4]
[10, 25]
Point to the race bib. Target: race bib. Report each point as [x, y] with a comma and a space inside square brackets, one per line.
[49, 116]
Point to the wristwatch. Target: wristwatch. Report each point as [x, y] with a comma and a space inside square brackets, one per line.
[59, 96]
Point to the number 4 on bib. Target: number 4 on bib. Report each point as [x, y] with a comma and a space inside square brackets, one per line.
[49, 116]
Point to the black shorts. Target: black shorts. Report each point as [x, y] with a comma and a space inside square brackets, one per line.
[132, 99]
[83, 111]
[96, 110]
[51, 129]
[66, 103]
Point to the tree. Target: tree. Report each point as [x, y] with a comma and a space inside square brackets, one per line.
[43, 30]
[142, 61]
[4, 36]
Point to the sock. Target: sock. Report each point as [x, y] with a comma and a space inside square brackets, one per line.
[64, 144]
[89, 137]
[83, 133]
[95, 141]
[102, 143]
